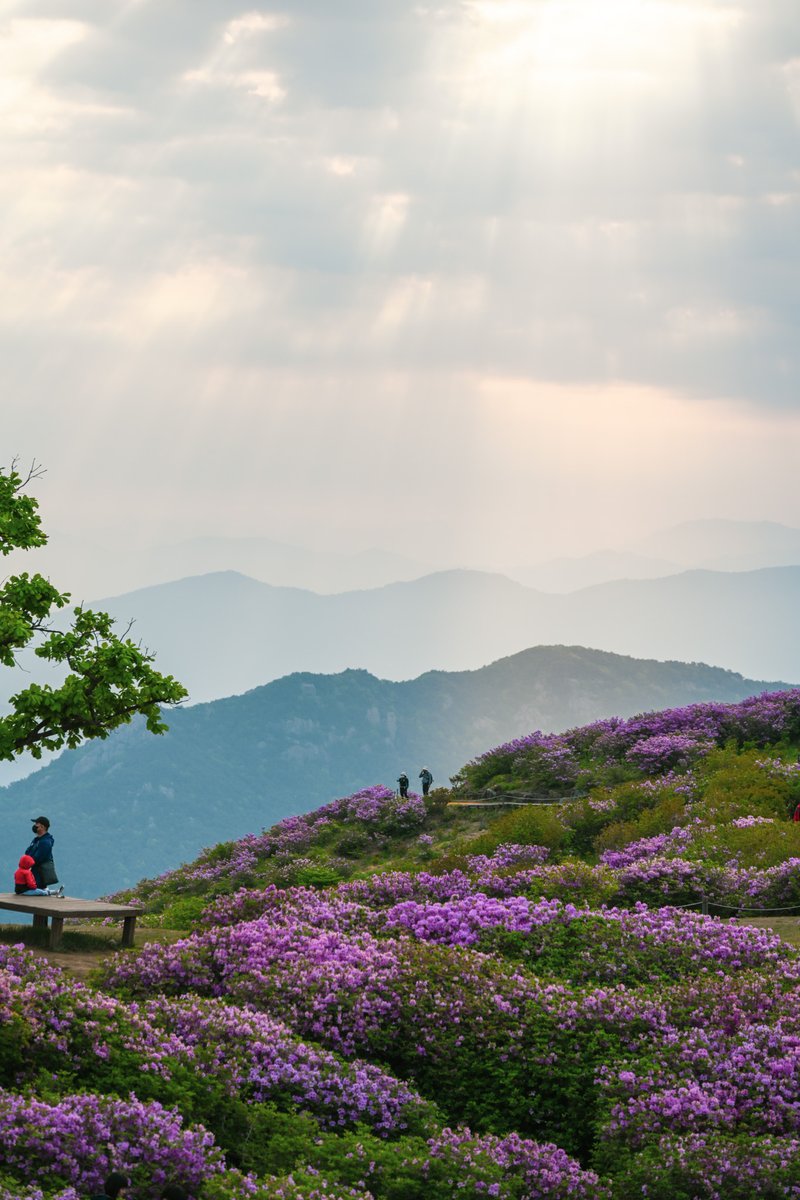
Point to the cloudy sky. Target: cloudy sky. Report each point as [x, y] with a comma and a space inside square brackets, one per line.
[476, 280]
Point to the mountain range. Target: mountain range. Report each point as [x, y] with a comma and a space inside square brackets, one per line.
[134, 805]
[87, 568]
[225, 633]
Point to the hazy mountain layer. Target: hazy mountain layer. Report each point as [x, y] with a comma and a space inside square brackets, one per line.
[135, 804]
[225, 633]
[88, 568]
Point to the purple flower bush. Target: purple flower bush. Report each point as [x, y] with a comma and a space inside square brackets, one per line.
[509, 1022]
[668, 751]
[260, 1058]
[252, 1055]
[415, 993]
[71, 1141]
[279, 849]
[545, 1171]
[653, 871]
[648, 743]
[660, 846]
[712, 1167]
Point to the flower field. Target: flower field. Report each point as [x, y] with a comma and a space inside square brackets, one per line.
[533, 1006]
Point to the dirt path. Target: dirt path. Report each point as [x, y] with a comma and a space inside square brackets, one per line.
[76, 964]
[78, 961]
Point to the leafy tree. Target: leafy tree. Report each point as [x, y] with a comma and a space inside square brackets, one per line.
[110, 678]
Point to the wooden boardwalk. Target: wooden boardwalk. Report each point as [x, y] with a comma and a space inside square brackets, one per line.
[510, 800]
[58, 908]
[491, 803]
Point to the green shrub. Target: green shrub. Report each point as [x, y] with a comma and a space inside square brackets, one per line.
[14, 1039]
[530, 825]
[708, 1166]
[762, 845]
[317, 875]
[183, 913]
[260, 1138]
[732, 783]
[352, 843]
[578, 883]
[218, 854]
[669, 812]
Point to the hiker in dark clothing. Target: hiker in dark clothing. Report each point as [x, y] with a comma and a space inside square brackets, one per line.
[41, 848]
[403, 782]
[427, 780]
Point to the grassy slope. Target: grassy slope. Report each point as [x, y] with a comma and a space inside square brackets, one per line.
[611, 803]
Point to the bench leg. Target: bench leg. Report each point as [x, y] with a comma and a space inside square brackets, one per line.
[56, 931]
[39, 921]
[128, 928]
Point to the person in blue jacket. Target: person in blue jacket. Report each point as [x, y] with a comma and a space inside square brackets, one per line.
[41, 848]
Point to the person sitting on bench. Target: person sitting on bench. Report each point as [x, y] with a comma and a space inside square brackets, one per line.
[25, 883]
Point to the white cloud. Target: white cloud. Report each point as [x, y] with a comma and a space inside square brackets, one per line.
[385, 202]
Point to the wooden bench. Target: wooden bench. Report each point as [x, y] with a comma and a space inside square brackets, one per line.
[58, 908]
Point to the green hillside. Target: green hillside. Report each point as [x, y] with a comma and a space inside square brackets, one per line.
[406, 999]
[708, 784]
[135, 805]
[399, 999]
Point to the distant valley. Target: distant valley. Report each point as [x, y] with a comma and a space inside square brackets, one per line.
[135, 804]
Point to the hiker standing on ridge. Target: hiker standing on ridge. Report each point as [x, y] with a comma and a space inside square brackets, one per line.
[427, 780]
[403, 782]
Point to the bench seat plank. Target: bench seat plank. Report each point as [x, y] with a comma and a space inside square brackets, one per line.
[60, 907]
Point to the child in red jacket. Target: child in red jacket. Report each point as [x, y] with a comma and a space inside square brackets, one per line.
[25, 884]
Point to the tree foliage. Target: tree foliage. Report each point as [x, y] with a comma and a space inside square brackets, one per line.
[110, 678]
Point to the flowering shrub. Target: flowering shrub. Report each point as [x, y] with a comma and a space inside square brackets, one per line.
[70, 1142]
[645, 744]
[545, 1171]
[376, 807]
[667, 751]
[261, 1059]
[675, 842]
[514, 1026]
[10, 1189]
[712, 1167]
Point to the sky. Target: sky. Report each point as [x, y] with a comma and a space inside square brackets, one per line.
[475, 281]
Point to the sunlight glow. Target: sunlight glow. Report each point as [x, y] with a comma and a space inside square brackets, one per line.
[386, 221]
[564, 34]
[568, 46]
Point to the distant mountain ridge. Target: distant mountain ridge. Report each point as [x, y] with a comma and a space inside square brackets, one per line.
[724, 545]
[135, 805]
[222, 634]
[712, 545]
[88, 568]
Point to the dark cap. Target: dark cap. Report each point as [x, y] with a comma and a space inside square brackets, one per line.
[41, 821]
